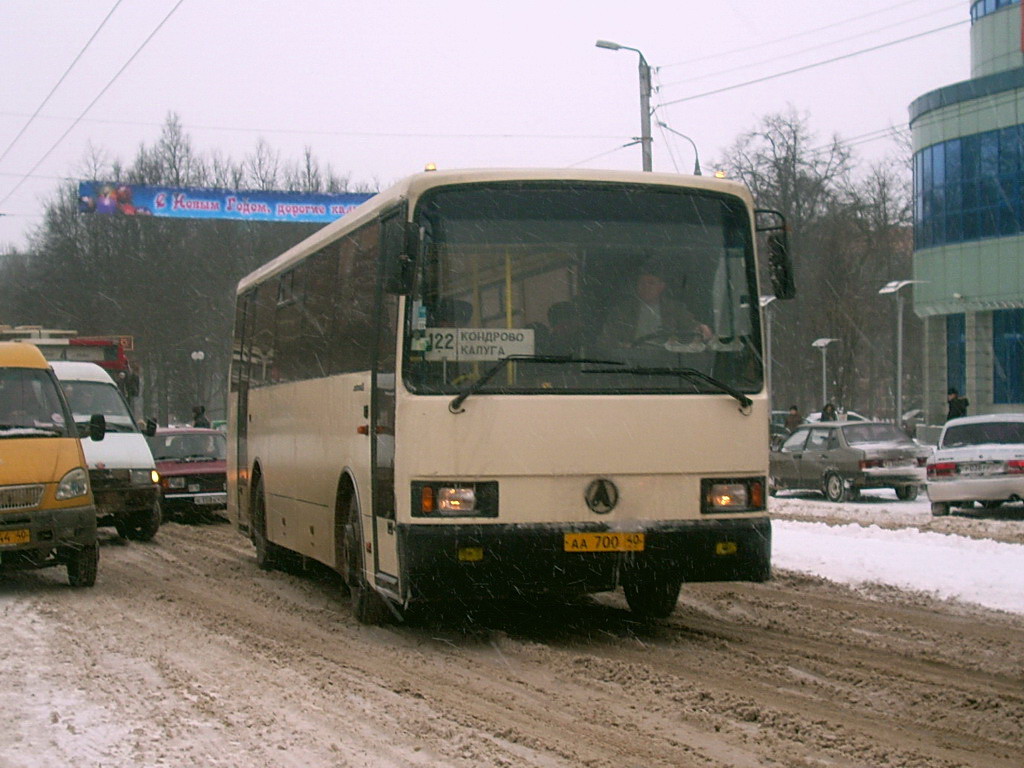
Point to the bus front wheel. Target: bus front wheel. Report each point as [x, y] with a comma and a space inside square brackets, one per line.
[367, 606]
[651, 595]
[268, 555]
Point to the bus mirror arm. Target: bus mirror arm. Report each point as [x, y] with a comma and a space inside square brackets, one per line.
[399, 265]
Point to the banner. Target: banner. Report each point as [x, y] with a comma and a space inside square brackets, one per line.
[101, 197]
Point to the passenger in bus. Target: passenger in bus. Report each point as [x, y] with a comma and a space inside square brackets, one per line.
[650, 314]
[565, 329]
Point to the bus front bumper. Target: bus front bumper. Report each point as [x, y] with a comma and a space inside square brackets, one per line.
[474, 560]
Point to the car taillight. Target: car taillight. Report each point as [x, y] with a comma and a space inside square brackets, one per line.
[870, 463]
[1015, 467]
[941, 469]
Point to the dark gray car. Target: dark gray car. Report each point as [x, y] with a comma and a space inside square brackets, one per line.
[842, 458]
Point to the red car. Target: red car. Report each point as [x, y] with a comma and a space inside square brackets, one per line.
[193, 470]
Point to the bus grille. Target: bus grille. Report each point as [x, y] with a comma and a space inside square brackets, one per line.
[20, 497]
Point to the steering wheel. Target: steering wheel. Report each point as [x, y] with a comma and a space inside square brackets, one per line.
[657, 338]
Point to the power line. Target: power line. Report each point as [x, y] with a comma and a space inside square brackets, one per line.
[61, 80]
[93, 102]
[801, 51]
[602, 154]
[805, 32]
[814, 65]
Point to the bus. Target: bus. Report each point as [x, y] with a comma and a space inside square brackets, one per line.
[453, 392]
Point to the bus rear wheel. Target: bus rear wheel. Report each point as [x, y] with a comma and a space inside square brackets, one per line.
[367, 606]
[651, 595]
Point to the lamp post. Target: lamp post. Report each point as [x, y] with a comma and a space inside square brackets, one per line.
[822, 344]
[645, 99]
[894, 287]
[764, 302]
[197, 357]
[696, 155]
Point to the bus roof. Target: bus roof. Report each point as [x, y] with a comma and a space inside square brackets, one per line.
[16, 354]
[415, 185]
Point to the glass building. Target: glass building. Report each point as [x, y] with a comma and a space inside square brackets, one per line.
[969, 221]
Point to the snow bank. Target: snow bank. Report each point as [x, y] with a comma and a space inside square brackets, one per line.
[988, 573]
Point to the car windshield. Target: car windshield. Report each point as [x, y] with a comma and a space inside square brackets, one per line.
[30, 405]
[605, 287]
[991, 432]
[875, 433]
[205, 446]
[88, 398]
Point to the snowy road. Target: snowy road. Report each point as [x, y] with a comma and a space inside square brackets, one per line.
[185, 654]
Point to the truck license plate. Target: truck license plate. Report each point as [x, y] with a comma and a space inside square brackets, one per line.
[604, 542]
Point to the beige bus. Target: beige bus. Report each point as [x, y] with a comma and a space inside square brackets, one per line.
[501, 382]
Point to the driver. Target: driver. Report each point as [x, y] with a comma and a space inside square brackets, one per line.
[649, 314]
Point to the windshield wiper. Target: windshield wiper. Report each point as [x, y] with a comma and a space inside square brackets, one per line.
[687, 373]
[455, 405]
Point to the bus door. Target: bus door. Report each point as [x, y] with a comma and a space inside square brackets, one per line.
[383, 409]
[241, 375]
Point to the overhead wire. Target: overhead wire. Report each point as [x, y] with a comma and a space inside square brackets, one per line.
[814, 65]
[93, 102]
[61, 80]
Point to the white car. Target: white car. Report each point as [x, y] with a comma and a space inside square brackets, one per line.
[843, 416]
[978, 458]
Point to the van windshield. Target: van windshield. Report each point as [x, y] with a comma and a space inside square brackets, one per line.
[30, 405]
[87, 398]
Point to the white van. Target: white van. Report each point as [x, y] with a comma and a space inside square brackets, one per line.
[122, 473]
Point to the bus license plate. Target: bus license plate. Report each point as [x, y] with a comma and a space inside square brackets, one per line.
[21, 536]
[604, 542]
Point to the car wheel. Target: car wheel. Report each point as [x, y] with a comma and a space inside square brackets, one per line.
[940, 508]
[834, 487]
[906, 492]
[82, 564]
[651, 595]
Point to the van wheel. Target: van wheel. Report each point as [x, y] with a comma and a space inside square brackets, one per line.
[141, 526]
[268, 555]
[651, 595]
[82, 564]
[906, 492]
[367, 606]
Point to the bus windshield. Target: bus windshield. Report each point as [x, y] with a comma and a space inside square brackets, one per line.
[611, 287]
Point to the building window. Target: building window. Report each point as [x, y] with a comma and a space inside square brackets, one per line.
[983, 8]
[1008, 353]
[956, 352]
[969, 188]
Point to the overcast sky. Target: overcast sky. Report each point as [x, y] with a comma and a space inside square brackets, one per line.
[379, 88]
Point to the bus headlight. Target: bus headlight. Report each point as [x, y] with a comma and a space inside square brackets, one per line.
[454, 499]
[74, 484]
[744, 494]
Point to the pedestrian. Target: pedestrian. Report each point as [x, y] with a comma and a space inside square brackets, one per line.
[199, 416]
[828, 413]
[957, 404]
[793, 418]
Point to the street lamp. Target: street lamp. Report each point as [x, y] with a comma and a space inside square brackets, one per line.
[696, 156]
[764, 302]
[645, 98]
[197, 357]
[822, 344]
[894, 287]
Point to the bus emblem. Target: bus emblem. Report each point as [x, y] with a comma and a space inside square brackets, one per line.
[602, 496]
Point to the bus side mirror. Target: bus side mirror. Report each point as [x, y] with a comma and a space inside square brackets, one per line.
[780, 267]
[97, 427]
[401, 244]
[150, 429]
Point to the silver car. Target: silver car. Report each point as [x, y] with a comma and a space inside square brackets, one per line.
[842, 458]
[978, 458]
